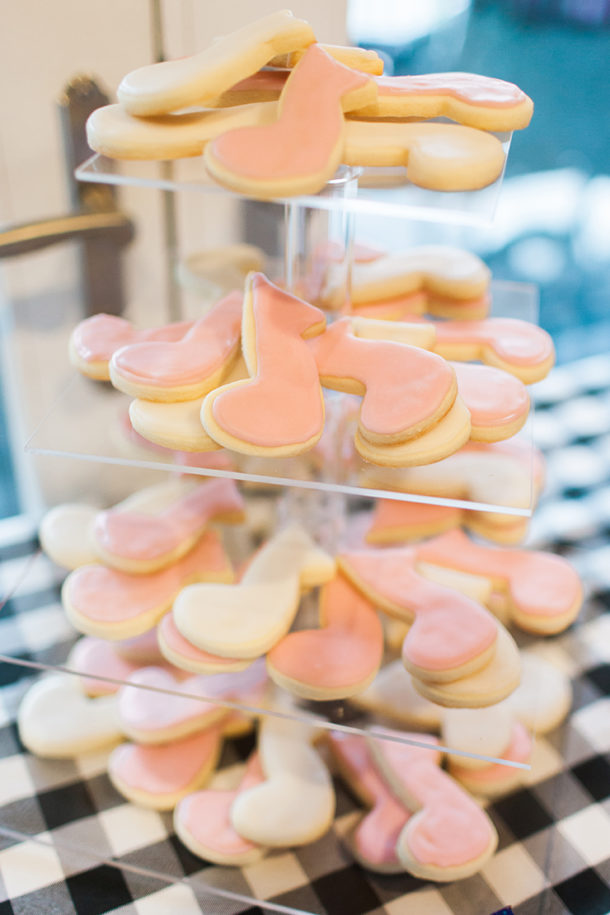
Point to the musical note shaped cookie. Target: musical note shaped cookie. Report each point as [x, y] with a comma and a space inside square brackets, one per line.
[158, 776]
[451, 636]
[56, 720]
[247, 619]
[543, 592]
[203, 822]
[471, 99]
[405, 390]
[185, 369]
[374, 839]
[157, 705]
[90, 656]
[448, 837]
[279, 410]
[113, 132]
[116, 605]
[64, 534]
[94, 341]
[142, 542]
[440, 157]
[338, 659]
[171, 85]
[302, 150]
[182, 654]
[296, 802]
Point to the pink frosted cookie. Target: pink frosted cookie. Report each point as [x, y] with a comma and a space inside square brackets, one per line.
[141, 649]
[477, 101]
[157, 706]
[275, 160]
[451, 636]
[90, 656]
[448, 837]
[498, 402]
[143, 542]
[374, 839]
[404, 307]
[494, 779]
[116, 605]
[185, 369]
[95, 340]
[160, 776]
[405, 390]
[279, 410]
[341, 657]
[203, 822]
[542, 591]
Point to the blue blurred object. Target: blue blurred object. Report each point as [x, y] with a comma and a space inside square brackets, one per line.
[584, 12]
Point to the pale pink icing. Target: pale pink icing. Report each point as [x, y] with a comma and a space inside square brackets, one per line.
[449, 629]
[416, 303]
[110, 596]
[150, 710]
[138, 535]
[262, 81]
[389, 514]
[206, 815]
[493, 397]
[200, 353]
[518, 750]
[513, 341]
[96, 656]
[405, 386]
[216, 460]
[165, 768]
[141, 649]
[178, 645]
[96, 339]
[449, 829]
[345, 652]
[308, 130]
[468, 87]
[281, 404]
[377, 833]
[540, 584]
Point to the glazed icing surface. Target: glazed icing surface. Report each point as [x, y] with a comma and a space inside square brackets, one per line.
[449, 629]
[209, 343]
[165, 768]
[96, 338]
[468, 87]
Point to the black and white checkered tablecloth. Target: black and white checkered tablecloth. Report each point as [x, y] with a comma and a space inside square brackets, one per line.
[62, 823]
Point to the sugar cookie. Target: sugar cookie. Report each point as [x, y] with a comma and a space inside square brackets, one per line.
[202, 822]
[279, 410]
[362, 59]
[247, 619]
[444, 438]
[64, 535]
[142, 650]
[94, 341]
[116, 605]
[56, 720]
[141, 542]
[374, 839]
[404, 307]
[274, 160]
[449, 837]
[113, 132]
[542, 591]
[159, 776]
[435, 269]
[338, 659]
[169, 708]
[477, 101]
[451, 636]
[393, 696]
[495, 779]
[178, 424]
[171, 85]
[213, 272]
[441, 157]
[405, 390]
[186, 369]
[498, 402]
[488, 685]
[181, 653]
[296, 802]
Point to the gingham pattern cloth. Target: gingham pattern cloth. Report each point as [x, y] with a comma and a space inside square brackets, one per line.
[63, 826]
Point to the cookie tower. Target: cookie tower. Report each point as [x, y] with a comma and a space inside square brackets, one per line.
[360, 372]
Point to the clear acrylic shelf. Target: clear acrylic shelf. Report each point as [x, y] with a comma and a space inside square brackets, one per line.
[381, 191]
[88, 422]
